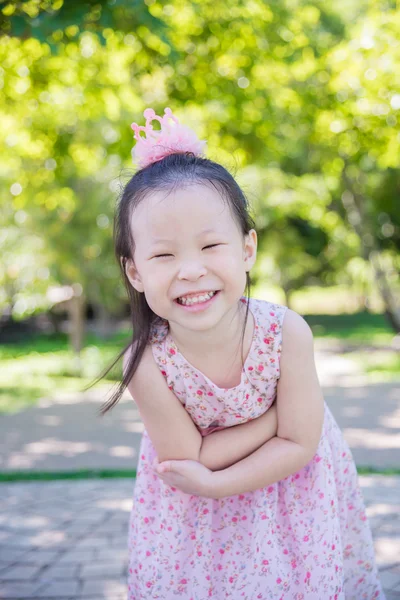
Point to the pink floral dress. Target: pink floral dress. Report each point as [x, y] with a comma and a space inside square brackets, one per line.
[304, 537]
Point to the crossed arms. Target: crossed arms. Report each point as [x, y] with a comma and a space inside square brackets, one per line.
[251, 455]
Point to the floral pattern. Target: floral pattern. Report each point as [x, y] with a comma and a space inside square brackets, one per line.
[305, 537]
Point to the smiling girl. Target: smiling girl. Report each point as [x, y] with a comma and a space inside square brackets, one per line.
[245, 486]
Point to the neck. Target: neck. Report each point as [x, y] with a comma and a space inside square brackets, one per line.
[224, 337]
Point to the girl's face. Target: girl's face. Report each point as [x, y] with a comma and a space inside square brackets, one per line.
[188, 242]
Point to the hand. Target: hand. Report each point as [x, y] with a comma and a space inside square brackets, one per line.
[189, 476]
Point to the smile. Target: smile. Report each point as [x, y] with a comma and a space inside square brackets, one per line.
[198, 303]
[195, 299]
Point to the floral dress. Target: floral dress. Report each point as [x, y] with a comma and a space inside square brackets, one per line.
[305, 537]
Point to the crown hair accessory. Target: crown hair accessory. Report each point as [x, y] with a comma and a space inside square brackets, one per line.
[172, 137]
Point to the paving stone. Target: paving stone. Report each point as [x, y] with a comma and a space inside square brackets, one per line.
[86, 524]
[25, 591]
[77, 556]
[111, 528]
[93, 542]
[78, 529]
[387, 529]
[59, 589]
[105, 588]
[389, 579]
[102, 570]
[21, 572]
[386, 549]
[116, 543]
[21, 542]
[4, 518]
[66, 571]
[41, 557]
[4, 566]
[7, 553]
[5, 536]
[112, 554]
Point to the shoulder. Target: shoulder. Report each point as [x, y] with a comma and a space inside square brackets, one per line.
[145, 360]
[297, 335]
[146, 369]
[293, 327]
[269, 312]
[290, 331]
[275, 318]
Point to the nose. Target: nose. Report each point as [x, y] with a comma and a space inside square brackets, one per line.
[192, 270]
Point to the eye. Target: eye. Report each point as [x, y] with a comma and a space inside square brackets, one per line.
[205, 247]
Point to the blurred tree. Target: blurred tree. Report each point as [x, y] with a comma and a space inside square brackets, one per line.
[294, 89]
[64, 124]
[359, 141]
[51, 21]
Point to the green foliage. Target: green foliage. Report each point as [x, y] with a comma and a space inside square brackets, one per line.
[356, 327]
[54, 21]
[44, 367]
[300, 100]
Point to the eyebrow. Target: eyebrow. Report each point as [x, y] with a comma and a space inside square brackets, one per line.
[165, 241]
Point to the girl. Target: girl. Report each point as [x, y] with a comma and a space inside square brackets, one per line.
[245, 486]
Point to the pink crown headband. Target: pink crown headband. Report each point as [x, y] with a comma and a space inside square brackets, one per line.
[172, 137]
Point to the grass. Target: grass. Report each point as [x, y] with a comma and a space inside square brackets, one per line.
[362, 327]
[53, 476]
[19, 476]
[43, 366]
[379, 365]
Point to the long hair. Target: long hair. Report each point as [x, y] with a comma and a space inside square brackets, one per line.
[172, 172]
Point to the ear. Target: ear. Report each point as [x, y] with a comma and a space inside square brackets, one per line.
[133, 275]
[250, 249]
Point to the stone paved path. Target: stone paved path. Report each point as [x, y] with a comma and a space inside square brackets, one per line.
[67, 540]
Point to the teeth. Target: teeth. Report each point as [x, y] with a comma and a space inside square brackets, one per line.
[196, 299]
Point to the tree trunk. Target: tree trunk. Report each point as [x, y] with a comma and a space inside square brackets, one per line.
[392, 312]
[77, 306]
[354, 205]
[286, 292]
[363, 296]
[104, 322]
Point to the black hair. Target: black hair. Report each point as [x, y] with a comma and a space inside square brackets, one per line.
[171, 172]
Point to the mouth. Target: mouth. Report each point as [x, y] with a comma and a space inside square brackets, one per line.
[196, 300]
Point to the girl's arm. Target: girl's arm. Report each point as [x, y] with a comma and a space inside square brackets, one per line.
[169, 425]
[300, 409]
[225, 447]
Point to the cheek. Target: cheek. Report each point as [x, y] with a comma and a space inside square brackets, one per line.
[156, 289]
[229, 263]
[157, 275]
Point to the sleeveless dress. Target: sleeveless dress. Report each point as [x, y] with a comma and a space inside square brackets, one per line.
[304, 537]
